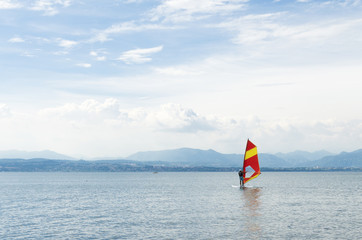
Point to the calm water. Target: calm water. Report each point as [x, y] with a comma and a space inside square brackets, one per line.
[277, 205]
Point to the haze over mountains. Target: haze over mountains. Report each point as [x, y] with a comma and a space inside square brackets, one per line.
[34, 154]
[196, 157]
[187, 157]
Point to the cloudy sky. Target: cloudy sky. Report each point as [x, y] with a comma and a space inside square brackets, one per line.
[93, 78]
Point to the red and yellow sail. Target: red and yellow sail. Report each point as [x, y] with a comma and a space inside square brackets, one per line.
[251, 160]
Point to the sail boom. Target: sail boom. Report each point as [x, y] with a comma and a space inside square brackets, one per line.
[252, 177]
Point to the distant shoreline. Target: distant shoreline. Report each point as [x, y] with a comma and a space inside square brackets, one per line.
[48, 165]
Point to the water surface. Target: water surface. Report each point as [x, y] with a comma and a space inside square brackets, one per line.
[276, 205]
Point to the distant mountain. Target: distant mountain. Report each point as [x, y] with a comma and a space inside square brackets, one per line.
[271, 161]
[298, 157]
[182, 159]
[34, 154]
[210, 158]
[342, 160]
[187, 156]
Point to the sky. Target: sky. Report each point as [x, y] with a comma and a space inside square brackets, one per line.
[110, 78]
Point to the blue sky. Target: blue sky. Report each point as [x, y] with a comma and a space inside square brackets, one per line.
[113, 77]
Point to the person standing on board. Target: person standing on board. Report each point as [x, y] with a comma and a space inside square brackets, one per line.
[241, 173]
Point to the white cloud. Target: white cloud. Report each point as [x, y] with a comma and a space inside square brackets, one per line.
[16, 40]
[189, 10]
[264, 28]
[88, 111]
[169, 117]
[178, 71]
[9, 4]
[104, 35]
[104, 128]
[66, 43]
[132, 1]
[61, 53]
[175, 118]
[101, 58]
[353, 3]
[97, 56]
[50, 7]
[253, 28]
[93, 53]
[27, 54]
[325, 30]
[139, 55]
[84, 65]
[4, 110]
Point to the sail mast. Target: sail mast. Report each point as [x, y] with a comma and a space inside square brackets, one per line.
[244, 172]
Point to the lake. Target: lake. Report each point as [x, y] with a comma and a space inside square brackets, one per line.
[180, 205]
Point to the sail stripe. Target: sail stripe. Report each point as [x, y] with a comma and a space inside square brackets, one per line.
[250, 153]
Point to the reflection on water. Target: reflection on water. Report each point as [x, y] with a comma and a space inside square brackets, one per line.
[251, 211]
[252, 202]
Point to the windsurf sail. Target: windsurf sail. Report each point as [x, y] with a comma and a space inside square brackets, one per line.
[251, 167]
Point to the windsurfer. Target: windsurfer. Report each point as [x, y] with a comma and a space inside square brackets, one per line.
[241, 175]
